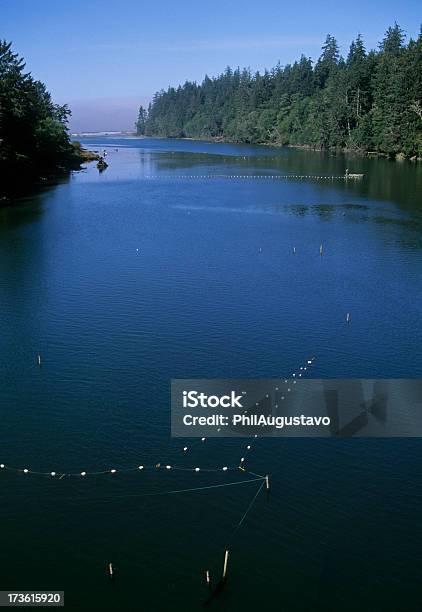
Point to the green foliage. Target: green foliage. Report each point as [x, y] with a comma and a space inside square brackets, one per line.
[33, 134]
[51, 141]
[328, 62]
[370, 101]
[141, 121]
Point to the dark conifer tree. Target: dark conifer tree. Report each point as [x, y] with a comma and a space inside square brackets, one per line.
[141, 121]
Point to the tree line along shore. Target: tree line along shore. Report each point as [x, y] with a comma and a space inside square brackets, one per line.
[34, 139]
[369, 102]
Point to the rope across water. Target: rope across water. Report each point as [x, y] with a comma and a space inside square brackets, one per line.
[280, 177]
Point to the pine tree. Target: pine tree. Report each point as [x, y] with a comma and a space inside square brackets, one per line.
[141, 121]
[328, 61]
[389, 105]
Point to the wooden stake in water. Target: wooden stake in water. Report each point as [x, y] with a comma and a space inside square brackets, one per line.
[39, 360]
[320, 249]
[348, 317]
[267, 482]
[226, 560]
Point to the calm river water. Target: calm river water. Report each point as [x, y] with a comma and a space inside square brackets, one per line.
[122, 282]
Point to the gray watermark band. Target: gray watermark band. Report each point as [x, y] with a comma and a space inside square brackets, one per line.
[296, 407]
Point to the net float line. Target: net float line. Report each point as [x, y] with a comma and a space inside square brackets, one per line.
[60, 474]
[288, 382]
[280, 177]
[113, 471]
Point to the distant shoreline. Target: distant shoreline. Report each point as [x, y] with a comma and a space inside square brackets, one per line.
[223, 140]
[338, 150]
[103, 133]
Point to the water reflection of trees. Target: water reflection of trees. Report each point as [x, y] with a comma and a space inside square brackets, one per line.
[399, 183]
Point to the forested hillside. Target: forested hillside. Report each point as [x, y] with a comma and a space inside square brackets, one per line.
[34, 141]
[370, 101]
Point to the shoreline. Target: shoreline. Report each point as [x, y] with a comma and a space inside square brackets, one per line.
[400, 157]
[27, 183]
[223, 140]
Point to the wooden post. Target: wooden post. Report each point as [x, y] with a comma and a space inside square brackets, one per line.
[226, 560]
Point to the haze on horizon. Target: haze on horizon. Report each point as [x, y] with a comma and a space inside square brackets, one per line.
[104, 58]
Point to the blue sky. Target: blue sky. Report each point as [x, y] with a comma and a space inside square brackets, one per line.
[106, 57]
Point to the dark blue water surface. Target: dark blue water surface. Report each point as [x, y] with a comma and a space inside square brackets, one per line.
[122, 282]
